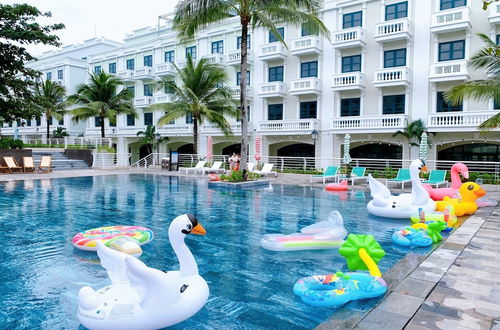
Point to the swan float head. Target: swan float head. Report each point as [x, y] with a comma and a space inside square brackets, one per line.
[185, 224]
[417, 166]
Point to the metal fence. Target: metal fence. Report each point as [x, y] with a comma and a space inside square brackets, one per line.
[79, 142]
[108, 159]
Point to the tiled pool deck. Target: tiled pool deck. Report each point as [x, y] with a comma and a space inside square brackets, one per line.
[456, 287]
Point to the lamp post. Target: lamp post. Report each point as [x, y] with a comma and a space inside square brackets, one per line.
[314, 136]
[158, 137]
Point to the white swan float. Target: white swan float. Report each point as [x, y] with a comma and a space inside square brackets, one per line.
[140, 297]
[386, 205]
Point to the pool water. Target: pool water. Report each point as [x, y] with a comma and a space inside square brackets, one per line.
[250, 288]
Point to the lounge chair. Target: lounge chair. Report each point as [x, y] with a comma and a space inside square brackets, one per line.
[215, 168]
[12, 165]
[266, 170]
[29, 165]
[357, 173]
[402, 177]
[436, 178]
[331, 172]
[198, 166]
[45, 164]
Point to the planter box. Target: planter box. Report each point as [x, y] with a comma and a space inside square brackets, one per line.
[239, 185]
[80, 154]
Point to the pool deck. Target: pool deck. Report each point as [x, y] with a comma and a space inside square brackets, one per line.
[457, 286]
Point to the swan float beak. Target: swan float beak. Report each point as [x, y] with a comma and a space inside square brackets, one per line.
[198, 230]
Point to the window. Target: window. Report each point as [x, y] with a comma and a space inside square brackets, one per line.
[448, 4]
[275, 112]
[396, 10]
[50, 120]
[352, 20]
[97, 69]
[148, 90]
[308, 109]
[189, 119]
[218, 47]
[394, 58]
[97, 121]
[60, 74]
[309, 69]
[191, 51]
[351, 63]
[130, 64]
[130, 120]
[112, 67]
[238, 42]
[498, 39]
[132, 90]
[281, 31]
[453, 50]
[350, 107]
[308, 30]
[239, 113]
[38, 122]
[443, 106]
[238, 75]
[61, 121]
[276, 73]
[28, 122]
[168, 89]
[170, 56]
[148, 60]
[49, 75]
[112, 123]
[393, 104]
[148, 118]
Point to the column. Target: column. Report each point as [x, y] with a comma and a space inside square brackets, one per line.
[122, 157]
[324, 149]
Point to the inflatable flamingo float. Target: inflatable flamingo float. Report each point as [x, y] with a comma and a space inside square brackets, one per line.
[438, 194]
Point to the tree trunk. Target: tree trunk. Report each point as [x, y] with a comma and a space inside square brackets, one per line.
[243, 93]
[102, 127]
[195, 135]
[48, 128]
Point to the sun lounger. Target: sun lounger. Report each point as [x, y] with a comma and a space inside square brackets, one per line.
[358, 173]
[331, 172]
[45, 164]
[29, 165]
[402, 177]
[436, 178]
[266, 170]
[215, 168]
[12, 165]
[198, 166]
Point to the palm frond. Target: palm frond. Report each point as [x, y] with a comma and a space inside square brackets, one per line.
[491, 123]
[479, 90]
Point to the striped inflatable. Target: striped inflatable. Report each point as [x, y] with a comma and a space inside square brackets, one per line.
[87, 240]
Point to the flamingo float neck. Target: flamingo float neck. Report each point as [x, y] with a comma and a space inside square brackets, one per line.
[456, 169]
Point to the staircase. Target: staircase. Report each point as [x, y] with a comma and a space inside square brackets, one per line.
[59, 161]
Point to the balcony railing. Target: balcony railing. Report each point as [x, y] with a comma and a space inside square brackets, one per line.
[213, 129]
[458, 119]
[273, 51]
[301, 126]
[305, 86]
[143, 101]
[144, 73]
[215, 58]
[306, 45]
[126, 75]
[392, 77]
[389, 122]
[170, 129]
[349, 38]
[165, 98]
[165, 69]
[234, 57]
[351, 80]
[449, 70]
[272, 89]
[393, 30]
[494, 16]
[451, 19]
[235, 92]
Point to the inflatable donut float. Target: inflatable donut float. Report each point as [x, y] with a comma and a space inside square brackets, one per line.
[337, 186]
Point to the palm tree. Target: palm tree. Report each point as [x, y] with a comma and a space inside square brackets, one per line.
[362, 252]
[201, 97]
[485, 89]
[49, 98]
[194, 15]
[150, 137]
[413, 131]
[100, 99]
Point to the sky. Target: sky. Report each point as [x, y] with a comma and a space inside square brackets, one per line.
[85, 19]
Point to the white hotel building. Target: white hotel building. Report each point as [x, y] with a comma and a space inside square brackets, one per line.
[386, 63]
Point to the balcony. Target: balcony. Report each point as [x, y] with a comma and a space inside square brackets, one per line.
[126, 75]
[274, 51]
[399, 29]
[306, 46]
[144, 73]
[287, 127]
[215, 58]
[449, 71]
[165, 69]
[96, 131]
[175, 129]
[305, 86]
[212, 129]
[272, 89]
[369, 124]
[392, 77]
[347, 81]
[348, 38]
[164, 98]
[494, 16]
[143, 101]
[457, 121]
[234, 57]
[235, 92]
[451, 20]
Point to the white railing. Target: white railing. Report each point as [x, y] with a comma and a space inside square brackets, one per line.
[79, 142]
[459, 119]
[346, 80]
[305, 85]
[126, 74]
[212, 128]
[215, 58]
[351, 35]
[273, 50]
[275, 88]
[163, 98]
[494, 10]
[306, 44]
[105, 159]
[236, 91]
[392, 28]
[165, 69]
[450, 16]
[144, 72]
[370, 122]
[448, 69]
[288, 125]
[143, 101]
[392, 75]
[234, 57]
[175, 128]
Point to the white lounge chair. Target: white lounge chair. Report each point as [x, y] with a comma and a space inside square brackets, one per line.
[198, 166]
[266, 170]
[215, 168]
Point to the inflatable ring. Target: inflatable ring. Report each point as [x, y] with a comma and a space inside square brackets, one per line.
[213, 177]
[337, 186]
[87, 240]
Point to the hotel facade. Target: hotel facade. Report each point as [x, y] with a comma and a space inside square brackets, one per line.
[385, 64]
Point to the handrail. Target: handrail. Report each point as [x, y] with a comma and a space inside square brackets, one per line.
[108, 159]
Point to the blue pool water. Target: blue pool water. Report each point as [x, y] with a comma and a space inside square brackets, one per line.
[250, 288]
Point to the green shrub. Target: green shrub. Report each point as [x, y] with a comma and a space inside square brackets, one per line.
[10, 143]
[106, 149]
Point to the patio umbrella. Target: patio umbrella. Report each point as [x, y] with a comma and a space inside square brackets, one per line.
[210, 153]
[423, 148]
[258, 145]
[347, 145]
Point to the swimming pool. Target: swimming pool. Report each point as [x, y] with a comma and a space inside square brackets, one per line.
[250, 288]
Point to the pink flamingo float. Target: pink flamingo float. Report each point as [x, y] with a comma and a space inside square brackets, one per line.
[438, 194]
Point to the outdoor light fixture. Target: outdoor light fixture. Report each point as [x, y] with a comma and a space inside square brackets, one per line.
[314, 135]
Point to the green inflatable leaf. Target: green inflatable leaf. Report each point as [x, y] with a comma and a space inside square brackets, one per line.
[350, 250]
[434, 230]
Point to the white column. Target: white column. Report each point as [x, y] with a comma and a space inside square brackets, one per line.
[324, 149]
[122, 158]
